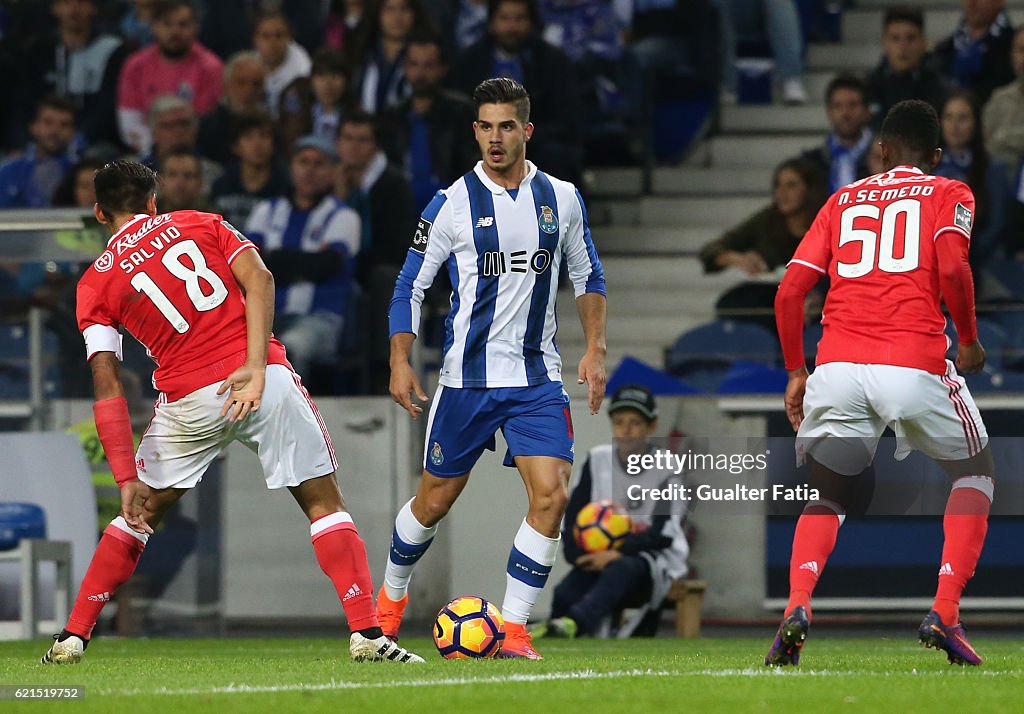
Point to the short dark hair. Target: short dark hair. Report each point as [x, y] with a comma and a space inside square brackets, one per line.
[848, 81]
[57, 102]
[912, 124]
[241, 124]
[328, 60]
[271, 14]
[531, 7]
[179, 152]
[904, 13]
[427, 37]
[124, 187]
[359, 117]
[503, 90]
[163, 8]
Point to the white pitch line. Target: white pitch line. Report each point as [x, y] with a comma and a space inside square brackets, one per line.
[335, 685]
[438, 682]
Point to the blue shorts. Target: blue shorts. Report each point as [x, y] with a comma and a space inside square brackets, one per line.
[535, 421]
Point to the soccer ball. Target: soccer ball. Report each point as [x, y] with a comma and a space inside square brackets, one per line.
[601, 525]
[468, 627]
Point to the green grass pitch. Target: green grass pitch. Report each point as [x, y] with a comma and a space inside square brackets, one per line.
[837, 674]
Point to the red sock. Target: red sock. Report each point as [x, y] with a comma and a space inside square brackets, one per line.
[813, 541]
[342, 556]
[112, 564]
[964, 527]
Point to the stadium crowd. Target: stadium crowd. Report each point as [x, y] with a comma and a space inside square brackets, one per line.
[321, 128]
[975, 81]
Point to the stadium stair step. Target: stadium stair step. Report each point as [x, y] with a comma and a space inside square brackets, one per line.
[756, 150]
[642, 240]
[714, 211]
[775, 118]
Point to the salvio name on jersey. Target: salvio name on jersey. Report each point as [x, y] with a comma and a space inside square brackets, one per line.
[499, 262]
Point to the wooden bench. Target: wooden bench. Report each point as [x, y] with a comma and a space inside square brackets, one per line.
[687, 595]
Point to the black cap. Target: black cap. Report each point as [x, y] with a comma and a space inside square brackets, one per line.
[637, 397]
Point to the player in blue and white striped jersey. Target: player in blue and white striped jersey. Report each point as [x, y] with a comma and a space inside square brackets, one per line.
[502, 231]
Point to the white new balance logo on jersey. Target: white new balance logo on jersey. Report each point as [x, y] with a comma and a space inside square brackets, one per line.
[485, 222]
[102, 597]
[946, 569]
[811, 565]
[353, 591]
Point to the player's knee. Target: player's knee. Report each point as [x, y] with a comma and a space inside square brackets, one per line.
[429, 511]
[550, 501]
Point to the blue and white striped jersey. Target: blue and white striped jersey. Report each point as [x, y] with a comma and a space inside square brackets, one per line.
[503, 250]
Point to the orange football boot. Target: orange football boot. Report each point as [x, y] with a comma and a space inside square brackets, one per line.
[518, 643]
[389, 613]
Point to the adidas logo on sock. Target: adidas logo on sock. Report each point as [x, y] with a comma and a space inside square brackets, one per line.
[811, 565]
[102, 597]
[353, 591]
[946, 569]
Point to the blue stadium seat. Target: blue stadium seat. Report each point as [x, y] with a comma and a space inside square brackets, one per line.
[1011, 320]
[993, 338]
[19, 521]
[812, 336]
[704, 355]
[1010, 274]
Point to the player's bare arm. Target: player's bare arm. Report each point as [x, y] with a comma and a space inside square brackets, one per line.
[114, 427]
[404, 382]
[795, 389]
[246, 383]
[593, 308]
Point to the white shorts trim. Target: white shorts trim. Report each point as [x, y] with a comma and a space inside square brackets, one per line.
[287, 434]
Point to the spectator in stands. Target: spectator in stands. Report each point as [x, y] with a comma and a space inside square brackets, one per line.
[308, 240]
[76, 61]
[905, 71]
[244, 77]
[77, 190]
[284, 59]
[460, 23]
[181, 183]
[844, 154]
[379, 193]
[316, 104]
[343, 17]
[378, 51]
[177, 64]
[136, 25]
[254, 174]
[429, 135]
[766, 240]
[779, 20]
[591, 33]
[30, 180]
[1003, 117]
[173, 125]
[965, 158]
[228, 24]
[639, 572]
[514, 48]
[977, 55]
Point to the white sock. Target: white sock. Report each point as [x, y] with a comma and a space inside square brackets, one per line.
[529, 564]
[409, 542]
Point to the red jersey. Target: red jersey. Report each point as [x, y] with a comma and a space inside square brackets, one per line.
[875, 239]
[167, 280]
